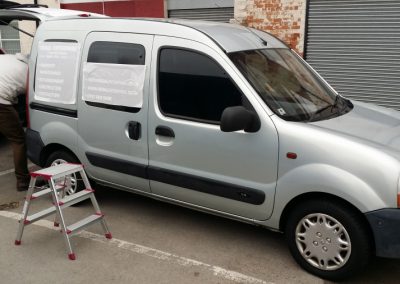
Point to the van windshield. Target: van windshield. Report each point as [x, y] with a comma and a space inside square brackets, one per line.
[288, 86]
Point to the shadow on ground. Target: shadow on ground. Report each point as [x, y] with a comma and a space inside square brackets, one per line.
[380, 270]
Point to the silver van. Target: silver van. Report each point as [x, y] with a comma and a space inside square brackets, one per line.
[223, 119]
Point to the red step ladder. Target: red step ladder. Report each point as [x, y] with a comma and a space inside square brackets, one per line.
[53, 175]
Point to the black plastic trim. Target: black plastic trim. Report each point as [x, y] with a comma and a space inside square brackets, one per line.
[385, 224]
[117, 165]
[34, 145]
[114, 107]
[61, 40]
[54, 110]
[222, 189]
[165, 131]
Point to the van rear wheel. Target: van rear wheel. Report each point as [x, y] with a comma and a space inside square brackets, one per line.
[328, 239]
[61, 157]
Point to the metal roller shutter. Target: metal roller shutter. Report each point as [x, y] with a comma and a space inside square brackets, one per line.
[355, 46]
[207, 14]
[9, 38]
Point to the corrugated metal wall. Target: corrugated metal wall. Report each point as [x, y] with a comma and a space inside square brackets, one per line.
[208, 14]
[10, 41]
[355, 46]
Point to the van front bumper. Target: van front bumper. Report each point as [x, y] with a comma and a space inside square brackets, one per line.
[385, 224]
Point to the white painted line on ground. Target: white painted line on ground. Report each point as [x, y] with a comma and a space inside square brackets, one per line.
[6, 172]
[154, 253]
[3, 173]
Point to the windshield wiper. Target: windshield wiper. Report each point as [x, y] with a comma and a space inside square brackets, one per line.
[321, 110]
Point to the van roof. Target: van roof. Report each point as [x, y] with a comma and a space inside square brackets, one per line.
[233, 37]
[38, 13]
[229, 37]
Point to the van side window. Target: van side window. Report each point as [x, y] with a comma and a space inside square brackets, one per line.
[114, 76]
[116, 53]
[193, 86]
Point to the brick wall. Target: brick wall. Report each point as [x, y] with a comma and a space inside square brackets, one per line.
[283, 18]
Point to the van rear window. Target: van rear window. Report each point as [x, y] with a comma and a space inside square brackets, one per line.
[116, 53]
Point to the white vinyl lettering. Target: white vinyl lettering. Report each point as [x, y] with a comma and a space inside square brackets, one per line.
[114, 84]
[56, 73]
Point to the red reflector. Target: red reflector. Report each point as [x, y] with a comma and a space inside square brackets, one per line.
[291, 155]
[84, 15]
[398, 200]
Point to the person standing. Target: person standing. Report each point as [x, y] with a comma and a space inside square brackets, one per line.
[13, 73]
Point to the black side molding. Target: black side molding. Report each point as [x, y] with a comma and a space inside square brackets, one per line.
[222, 189]
[54, 110]
[117, 165]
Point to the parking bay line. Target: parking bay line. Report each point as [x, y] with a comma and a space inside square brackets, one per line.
[6, 172]
[154, 253]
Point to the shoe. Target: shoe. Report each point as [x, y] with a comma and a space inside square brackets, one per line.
[22, 185]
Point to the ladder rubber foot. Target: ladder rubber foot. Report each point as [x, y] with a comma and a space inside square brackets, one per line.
[17, 243]
[71, 256]
[108, 236]
[56, 224]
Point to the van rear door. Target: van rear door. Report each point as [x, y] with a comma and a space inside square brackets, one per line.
[113, 105]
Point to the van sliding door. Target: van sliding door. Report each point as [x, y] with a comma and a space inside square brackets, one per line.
[113, 105]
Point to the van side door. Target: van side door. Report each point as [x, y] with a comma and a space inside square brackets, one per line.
[113, 105]
[190, 159]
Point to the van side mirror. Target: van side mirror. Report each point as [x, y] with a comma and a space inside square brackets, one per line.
[239, 118]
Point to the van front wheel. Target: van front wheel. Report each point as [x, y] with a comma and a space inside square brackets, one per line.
[61, 157]
[328, 239]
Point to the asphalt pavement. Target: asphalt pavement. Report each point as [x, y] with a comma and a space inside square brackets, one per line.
[153, 242]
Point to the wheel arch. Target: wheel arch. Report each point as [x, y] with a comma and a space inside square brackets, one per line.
[51, 148]
[324, 196]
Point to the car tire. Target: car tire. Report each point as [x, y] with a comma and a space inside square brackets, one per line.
[328, 239]
[61, 156]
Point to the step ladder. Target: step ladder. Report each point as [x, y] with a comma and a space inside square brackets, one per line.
[59, 181]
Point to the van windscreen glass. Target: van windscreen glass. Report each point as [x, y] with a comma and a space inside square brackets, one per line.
[116, 53]
[288, 86]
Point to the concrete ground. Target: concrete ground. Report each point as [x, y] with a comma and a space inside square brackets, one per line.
[153, 242]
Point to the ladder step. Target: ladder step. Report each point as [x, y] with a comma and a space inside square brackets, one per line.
[46, 191]
[65, 202]
[40, 215]
[80, 225]
[57, 171]
[75, 198]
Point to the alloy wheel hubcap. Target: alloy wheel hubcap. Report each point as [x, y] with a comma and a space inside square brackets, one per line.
[323, 241]
[74, 180]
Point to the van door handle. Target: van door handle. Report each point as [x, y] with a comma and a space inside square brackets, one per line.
[134, 130]
[165, 131]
